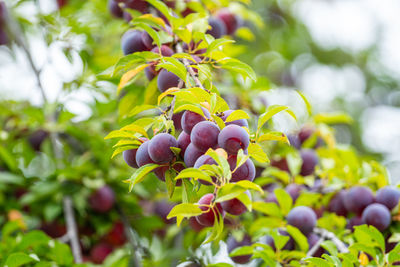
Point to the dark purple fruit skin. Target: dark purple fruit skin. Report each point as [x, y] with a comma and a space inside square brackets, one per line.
[303, 218]
[204, 135]
[100, 252]
[202, 160]
[191, 155]
[232, 138]
[166, 80]
[312, 240]
[231, 21]
[37, 138]
[377, 215]
[306, 132]
[130, 157]
[195, 225]
[142, 155]
[271, 198]
[132, 42]
[247, 171]
[388, 196]
[177, 118]
[166, 51]
[288, 246]
[241, 122]
[208, 218]
[3, 37]
[354, 221]
[218, 28]
[139, 5]
[183, 142]
[232, 243]
[103, 199]
[336, 204]
[114, 8]
[281, 164]
[294, 190]
[160, 172]
[160, 148]
[162, 209]
[310, 160]
[294, 140]
[235, 206]
[357, 199]
[190, 119]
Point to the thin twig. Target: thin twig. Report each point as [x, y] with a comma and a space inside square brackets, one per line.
[329, 235]
[189, 68]
[314, 248]
[72, 229]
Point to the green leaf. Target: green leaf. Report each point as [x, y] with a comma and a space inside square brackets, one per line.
[273, 136]
[329, 246]
[193, 173]
[140, 174]
[333, 118]
[300, 239]
[190, 107]
[270, 209]
[175, 66]
[284, 199]
[138, 109]
[185, 210]
[160, 6]
[256, 152]
[237, 115]
[18, 259]
[217, 44]
[240, 251]
[33, 239]
[271, 111]
[170, 182]
[306, 102]
[222, 162]
[249, 185]
[128, 76]
[188, 191]
[319, 262]
[220, 264]
[229, 191]
[239, 67]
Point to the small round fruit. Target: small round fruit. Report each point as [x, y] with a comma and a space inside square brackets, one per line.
[114, 8]
[294, 190]
[388, 196]
[192, 153]
[103, 199]
[132, 42]
[377, 215]
[166, 80]
[177, 118]
[232, 244]
[183, 142]
[358, 198]
[336, 204]
[202, 160]
[303, 218]
[100, 252]
[310, 160]
[160, 148]
[208, 218]
[160, 172]
[190, 119]
[130, 157]
[142, 155]
[246, 171]
[218, 28]
[232, 138]
[204, 135]
[240, 122]
[235, 206]
[354, 221]
[312, 240]
[116, 236]
[231, 21]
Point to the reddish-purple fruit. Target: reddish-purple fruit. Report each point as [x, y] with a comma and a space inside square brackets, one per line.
[166, 80]
[139, 5]
[177, 118]
[116, 236]
[377, 215]
[202, 160]
[160, 148]
[303, 218]
[160, 172]
[232, 138]
[192, 153]
[354, 221]
[247, 171]
[103, 199]
[190, 119]
[336, 204]
[312, 240]
[132, 42]
[358, 198]
[235, 206]
[306, 132]
[100, 252]
[281, 164]
[294, 190]
[204, 135]
[218, 28]
[3, 37]
[142, 155]
[195, 225]
[183, 142]
[294, 140]
[271, 198]
[208, 218]
[231, 21]
[54, 229]
[162, 209]
[166, 51]
[232, 244]
[388, 196]
[240, 122]
[310, 160]
[130, 157]
[114, 8]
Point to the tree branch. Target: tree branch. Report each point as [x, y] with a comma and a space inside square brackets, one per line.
[314, 248]
[72, 229]
[189, 68]
[329, 235]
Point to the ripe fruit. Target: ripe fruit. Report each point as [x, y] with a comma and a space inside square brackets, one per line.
[310, 160]
[294, 140]
[150, 71]
[288, 246]
[235, 206]
[116, 236]
[37, 138]
[192, 153]
[232, 243]
[294, 190]
[130, 155]
[204, 135]
[358, 198]
[177, 118]
[54, 229]
[247, 171]
[377, 215]
[306, 132]
[160, 172]
[132, 41]
[183, 142]
[232, 138]
[312, 240]
[100, 252]
[142, 155]
[3, 37]
[231, 21]
[336, 204]
[208, 218]
[354, 221]
[303, 218]
[162, 209]
[103, 199]
[160, 148]
[139, 5]
[218, 28]
[388, 196]
[114, 8]
[166, 80]
[202, 160]
[195, 225]
[281, 164]
[190, 119]
[240, 122]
